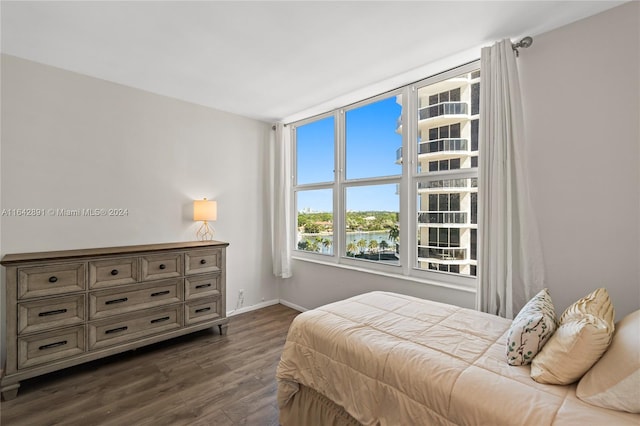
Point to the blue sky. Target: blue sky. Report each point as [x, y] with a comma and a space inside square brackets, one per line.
[371, 151]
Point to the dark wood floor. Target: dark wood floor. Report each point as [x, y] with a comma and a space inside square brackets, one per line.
[200, 379]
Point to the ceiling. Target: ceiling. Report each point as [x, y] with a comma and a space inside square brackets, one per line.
[269, 60]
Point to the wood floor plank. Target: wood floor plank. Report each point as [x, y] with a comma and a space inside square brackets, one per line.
[200, 379]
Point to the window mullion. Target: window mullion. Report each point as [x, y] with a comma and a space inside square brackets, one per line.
[407, 200]
[338, 187]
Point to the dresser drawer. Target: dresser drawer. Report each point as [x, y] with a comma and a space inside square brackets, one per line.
[115, 331]
[50, 280]
[201, 261]
[105, 303]
[202, 286]
[202, 310]
[107, 273]
[46, 314]
[47, 347]
[161, 266]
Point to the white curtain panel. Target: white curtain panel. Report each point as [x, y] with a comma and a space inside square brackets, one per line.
[280, 199]
[510, 264]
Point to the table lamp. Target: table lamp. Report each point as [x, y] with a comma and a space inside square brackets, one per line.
[205, 211]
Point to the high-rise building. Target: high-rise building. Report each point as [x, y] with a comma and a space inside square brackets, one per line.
[448, 114]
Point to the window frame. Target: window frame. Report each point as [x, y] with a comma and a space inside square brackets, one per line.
[407, 183]
[295, 188]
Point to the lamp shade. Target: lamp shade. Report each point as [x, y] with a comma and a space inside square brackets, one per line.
[205, 210]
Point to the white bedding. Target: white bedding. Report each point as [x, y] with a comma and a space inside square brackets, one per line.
[391, 359]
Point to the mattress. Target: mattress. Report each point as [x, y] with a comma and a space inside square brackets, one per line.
[391, 359]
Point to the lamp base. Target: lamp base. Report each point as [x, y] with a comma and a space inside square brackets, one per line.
[205, 232]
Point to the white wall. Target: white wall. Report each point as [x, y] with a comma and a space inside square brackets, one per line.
[581, 94]
[315, 284]
[72, 141]
[580, 85]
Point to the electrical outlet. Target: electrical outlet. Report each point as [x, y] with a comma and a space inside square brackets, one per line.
[240, 302]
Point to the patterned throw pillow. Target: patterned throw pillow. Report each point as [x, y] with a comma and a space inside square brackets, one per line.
[531, 328]
[584, 334]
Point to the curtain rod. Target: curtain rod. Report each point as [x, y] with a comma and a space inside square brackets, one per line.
[524, 43]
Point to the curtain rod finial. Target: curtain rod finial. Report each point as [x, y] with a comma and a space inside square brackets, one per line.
[524, 43]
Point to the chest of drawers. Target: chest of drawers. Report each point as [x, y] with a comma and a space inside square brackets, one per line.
[68, 307]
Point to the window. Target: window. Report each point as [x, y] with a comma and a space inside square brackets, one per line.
[314, 171]
[365, 196]
[315, 152]
[371, 218]
[315, 221]
[371, 139]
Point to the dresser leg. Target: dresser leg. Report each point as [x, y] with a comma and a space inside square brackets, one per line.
[223, 329]
[10, 392]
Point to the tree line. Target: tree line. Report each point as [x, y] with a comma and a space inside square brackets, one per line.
[322, 222]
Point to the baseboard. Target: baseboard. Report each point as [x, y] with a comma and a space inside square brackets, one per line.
[253, 307]
[293, 306]
[264, 305]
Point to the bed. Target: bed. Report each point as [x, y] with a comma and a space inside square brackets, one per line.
[388, 359]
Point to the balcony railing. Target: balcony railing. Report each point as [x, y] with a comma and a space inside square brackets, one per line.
[440, 253]
[449, 184]
[448, 217]
[437, 110]
[444, 108]
[438, 145]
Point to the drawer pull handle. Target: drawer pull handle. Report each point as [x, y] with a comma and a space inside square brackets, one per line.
[116, 330]
[160, 293]
[203, 285]
[203, 310]
[114, 301]
[159, 320]
[203, 261]
[53, 345]
[53, 279]
[114, 272]
[163, 266]
[56, 312]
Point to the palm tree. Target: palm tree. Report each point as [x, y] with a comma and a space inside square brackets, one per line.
[394, 235]
[373, 247]
[351, 249]
[384, 245]
[326, 243]
[362, 245]
[313, 245]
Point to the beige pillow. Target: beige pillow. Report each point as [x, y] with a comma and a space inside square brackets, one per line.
[530, 329]
[584, 334]
[614, 381]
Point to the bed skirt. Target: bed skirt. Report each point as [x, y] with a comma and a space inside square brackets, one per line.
[310, 408]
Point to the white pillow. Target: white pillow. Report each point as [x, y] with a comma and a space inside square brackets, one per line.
[584, 334]
[531, 328]
[614, 381]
